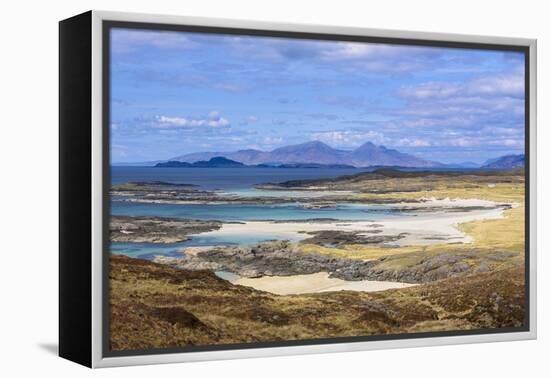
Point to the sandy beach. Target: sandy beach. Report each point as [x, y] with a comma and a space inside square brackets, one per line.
[314, 283]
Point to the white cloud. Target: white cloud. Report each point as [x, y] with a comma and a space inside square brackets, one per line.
[507, 131]
[349, 137]
[168, 132]
[484, 111]
[380, 58]
[393, 68]
[271, 140]
[511, 85]
[461, 142]
[430, 90]
[507, 142]
[477, 141]
[214, 120]
[354, 50]
[496, 85]
[427, 119]
[361, 50]
[413, 142]
[359, 56]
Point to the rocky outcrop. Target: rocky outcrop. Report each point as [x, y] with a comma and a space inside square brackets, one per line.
[159, 191]
[336, 238]
[422, 268]
[276, 258]
[319, 205]
[157, 229]
[280, 258]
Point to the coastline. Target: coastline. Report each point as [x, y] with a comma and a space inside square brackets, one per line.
[422, 229]
[447, 255]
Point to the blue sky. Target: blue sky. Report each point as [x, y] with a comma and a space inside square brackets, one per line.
[176, 92]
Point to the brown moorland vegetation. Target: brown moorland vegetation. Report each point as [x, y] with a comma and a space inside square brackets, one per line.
[156, 306]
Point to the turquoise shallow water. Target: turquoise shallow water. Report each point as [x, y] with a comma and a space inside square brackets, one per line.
[235, 213]
[240, 212]
[228, 276]
[147, 250]
[150, 250]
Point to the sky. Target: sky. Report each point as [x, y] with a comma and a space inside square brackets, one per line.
[174, 93]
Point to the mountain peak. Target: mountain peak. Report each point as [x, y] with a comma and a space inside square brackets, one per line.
[369, 154]
[315, 143]
[370, 146]
[311, 144]
[367, 145]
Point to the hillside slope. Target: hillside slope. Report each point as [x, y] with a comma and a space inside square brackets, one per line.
[156, 306]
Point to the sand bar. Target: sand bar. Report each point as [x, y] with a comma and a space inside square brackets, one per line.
[437, 227]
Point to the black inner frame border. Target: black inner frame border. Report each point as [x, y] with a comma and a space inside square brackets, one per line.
[107, 25]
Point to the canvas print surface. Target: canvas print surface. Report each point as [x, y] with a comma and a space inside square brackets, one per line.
[277, 190]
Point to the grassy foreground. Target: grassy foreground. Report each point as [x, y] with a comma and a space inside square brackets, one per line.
[155, 306]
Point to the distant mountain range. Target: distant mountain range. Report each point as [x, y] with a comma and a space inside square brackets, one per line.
[505, 162]
[221, 162]
[317, 153]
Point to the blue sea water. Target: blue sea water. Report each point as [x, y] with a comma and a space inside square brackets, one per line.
[246, 212]
[224, 178]
[231, 181]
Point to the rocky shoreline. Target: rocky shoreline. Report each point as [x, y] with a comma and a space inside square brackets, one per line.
[281, 258]
[169, 193]
[126, 229]
[335, 238]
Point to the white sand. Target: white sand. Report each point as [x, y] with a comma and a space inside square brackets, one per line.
[293, 194]
[438, 227]
[448, 203]
[314, 283]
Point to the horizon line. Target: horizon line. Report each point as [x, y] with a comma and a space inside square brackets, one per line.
[351, 149]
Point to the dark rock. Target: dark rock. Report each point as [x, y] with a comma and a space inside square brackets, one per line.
[334, 238]
[157, 229]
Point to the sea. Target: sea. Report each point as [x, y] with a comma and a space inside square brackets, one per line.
[225, 178]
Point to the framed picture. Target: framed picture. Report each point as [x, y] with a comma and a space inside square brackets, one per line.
[232, 189]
